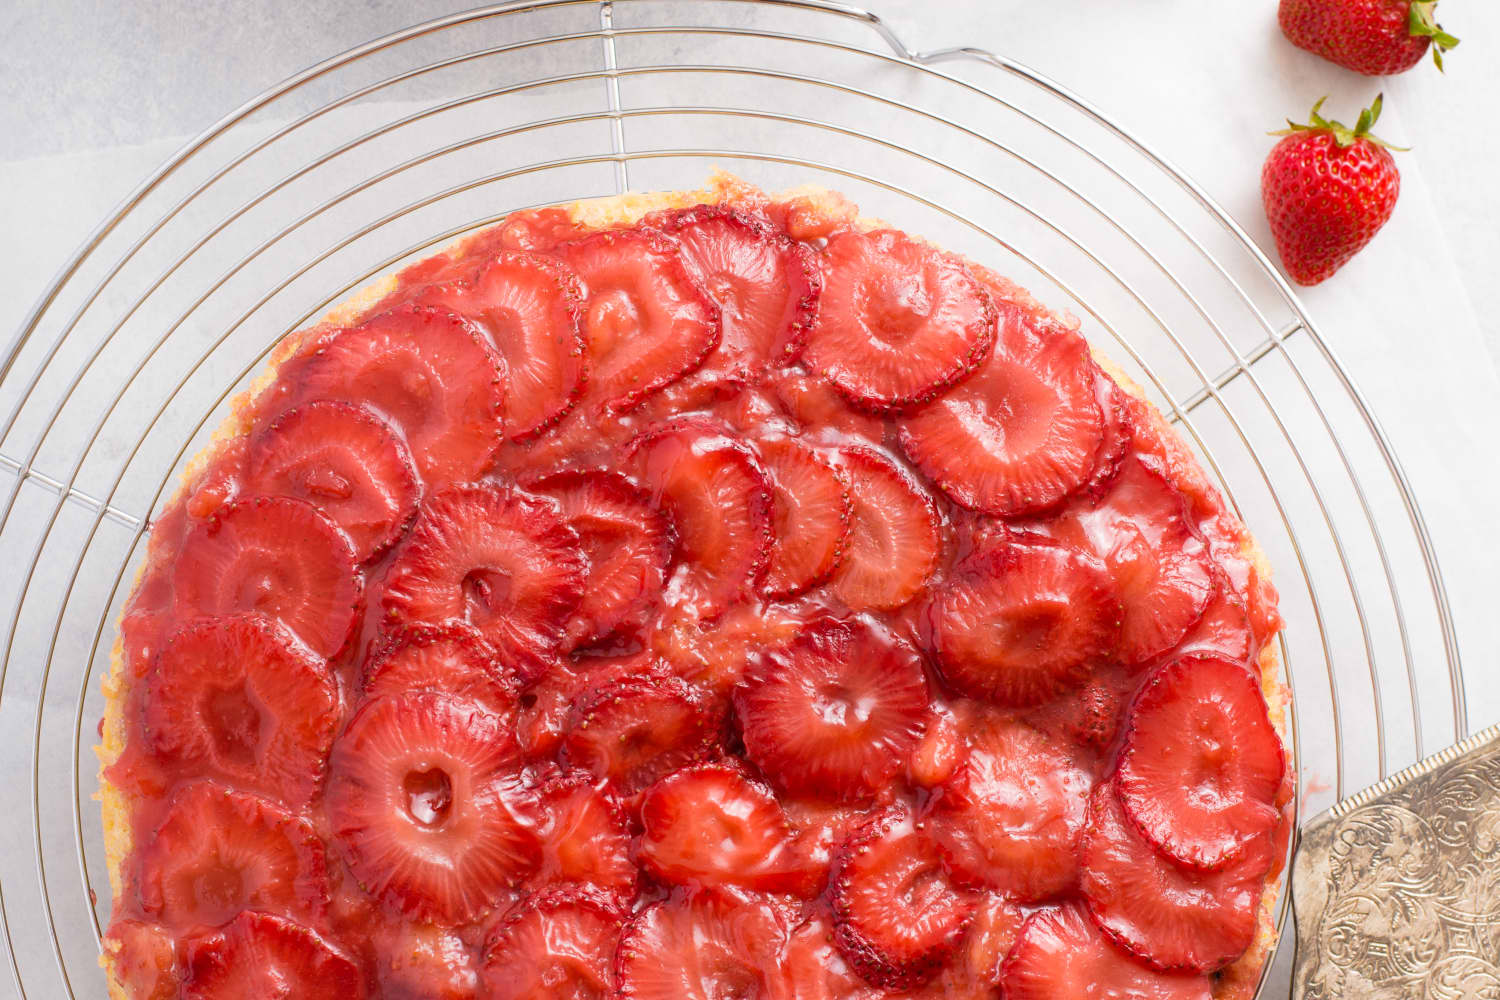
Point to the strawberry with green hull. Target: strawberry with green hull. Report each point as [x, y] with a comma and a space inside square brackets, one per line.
[1374, 37]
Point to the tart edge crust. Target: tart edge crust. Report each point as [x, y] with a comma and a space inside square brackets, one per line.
[1237, 981]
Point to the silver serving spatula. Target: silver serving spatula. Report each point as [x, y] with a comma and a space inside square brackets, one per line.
[1396, 890]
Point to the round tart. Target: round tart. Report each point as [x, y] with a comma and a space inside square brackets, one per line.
[688, 595]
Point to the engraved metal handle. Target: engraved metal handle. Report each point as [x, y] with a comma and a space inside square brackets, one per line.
[1397, 890]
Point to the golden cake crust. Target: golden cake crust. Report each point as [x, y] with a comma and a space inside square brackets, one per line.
[1236, 982]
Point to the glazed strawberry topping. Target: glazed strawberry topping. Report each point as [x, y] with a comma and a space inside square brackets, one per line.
[530, 308]
[559, 944]
[900, 322]
[648, 321]
[1061, 954]
[628, 542]
[240, 698]
[424, 798]
[1020, 621]
[343, 460]
[429, 371]
[1201, 763]
[1022, 433]
[218, 852]
[1168, 916]
[810, 512]
[897, 916]
[765, 283]
[834, 714]
[274, 556]
[497, 558]
[571, 624]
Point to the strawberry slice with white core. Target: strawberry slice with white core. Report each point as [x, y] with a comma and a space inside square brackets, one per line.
[897, 916]
[346, 462]
[899, 321]
[765, 283]
[494, 557]
[835, 713]
[421, 796]
[648, 321]
[260, 955]
[559, 945]
[1141, 529]
[450, 658]
[218, 851]
[276, 556]
[810, 509]
[704, 946]
[1020, 620]
[429, 371]
[531, 309]
[1201, 763]
[1061, 954]
[636, 729]
[242, 699]
[717, 493]
[1172, 918]
[584, 838]
[1011, 817]
[628, 542]
[894, 538]
[1020, 435]
[712, 825]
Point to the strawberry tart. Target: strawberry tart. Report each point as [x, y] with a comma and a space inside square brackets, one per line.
[695, 595]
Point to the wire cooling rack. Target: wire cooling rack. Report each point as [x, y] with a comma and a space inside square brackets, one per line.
[384, 152]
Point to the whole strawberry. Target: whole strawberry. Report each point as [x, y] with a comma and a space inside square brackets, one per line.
[1327, 189]
[1376, 37]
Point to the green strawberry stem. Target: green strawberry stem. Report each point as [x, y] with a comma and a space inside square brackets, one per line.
[1343, 134]
[1421, 22]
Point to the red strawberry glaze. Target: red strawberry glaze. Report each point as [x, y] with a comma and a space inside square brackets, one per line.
[618, 644]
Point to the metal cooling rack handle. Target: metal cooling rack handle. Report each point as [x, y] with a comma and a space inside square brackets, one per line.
[1397, 890]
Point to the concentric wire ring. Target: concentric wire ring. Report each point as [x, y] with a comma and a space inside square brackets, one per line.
[128, 360]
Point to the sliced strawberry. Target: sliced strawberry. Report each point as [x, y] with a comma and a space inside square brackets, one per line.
[218, 851]
[1224, 630]
[822, 826]
[816, 407]
[143, 960]
[714, 655]
[712, 825]
[1089, 716]
[343, 460]
[765, 283]
[813, 968]
[1201, 763]
[940, 753]
[548, 700]
[648, 321]
[638, 728]
[1020, 620]
[420, 796]
[538, 229]
[628, 542]
[560, 944]
[1119, 428]
[260, 955]
[976, 969]
[894, 541]
[1162, 574]
[500, 559]
[899, 321]
[1011, 817]
[810, 510]
[1169, 917]
[415, 961]
[897, 916]
[707, 946]
[835, 713]
[717, 493]
[276, 556]
[1020, 435]
[427, 370]
[1061, 954]
[242, 699]
[450, 658]
[531, 308]
[584, 838]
